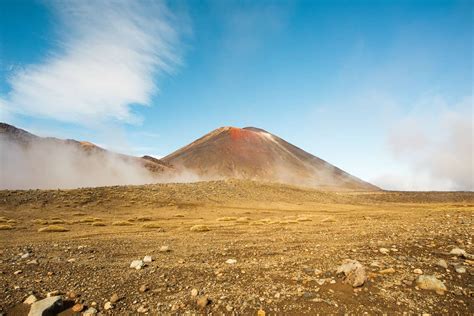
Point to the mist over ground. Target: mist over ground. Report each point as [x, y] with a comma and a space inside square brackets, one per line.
[46, 165]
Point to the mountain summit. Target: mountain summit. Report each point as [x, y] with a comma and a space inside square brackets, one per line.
[253, 153]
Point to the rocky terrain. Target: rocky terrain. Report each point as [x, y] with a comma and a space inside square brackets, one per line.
[235, 247]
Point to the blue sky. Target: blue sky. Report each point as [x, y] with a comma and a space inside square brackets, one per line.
[381, 89]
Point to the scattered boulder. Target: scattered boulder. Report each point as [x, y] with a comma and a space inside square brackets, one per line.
[90, 312]
[430, 282]
[108, 306]
[458, 252]
[384, 251]
[460, 269]
[78, 308]
[147, 259]
[194, 292]
[137, 264]
[199, 228]
[353, 271]
[202, 302]
[114, 298]
[231, 261]
[164, 249]
[418, 271]
[25, 255]
[143, 288]
[442, 263]
[375, 264]
[387, 271]
[48, 306]
[142, 309]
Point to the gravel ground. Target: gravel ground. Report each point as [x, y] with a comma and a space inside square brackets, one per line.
[236, 247]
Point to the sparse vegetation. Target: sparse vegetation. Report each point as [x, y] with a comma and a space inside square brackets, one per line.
[243, 220]
[87, 220]
[144, 218]
[227, 219]
[303, 219]
[200, 228]
[52, 229]
[56, 221]
[265, 225]
[328, 220]
[152, 225]
[122, 223]
[98, 224]
[40, 221]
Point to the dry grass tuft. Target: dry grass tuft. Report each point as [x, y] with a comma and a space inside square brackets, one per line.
[243, 220]
[227, 219]
[122, 223]
[328, 220]
[98, 224]
[56, 221]
[200, 228]
[144, 218]
[303, 219]
[87, 220]
[40, 221]
[52, 229]
[289, 221]
[152, 225]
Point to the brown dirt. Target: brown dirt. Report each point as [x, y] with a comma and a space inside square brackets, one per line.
[289, 233]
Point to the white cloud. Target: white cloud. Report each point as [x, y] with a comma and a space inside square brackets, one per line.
[108, 55]
[436, 145]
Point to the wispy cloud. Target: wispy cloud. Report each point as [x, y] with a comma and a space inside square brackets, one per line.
[108, 56]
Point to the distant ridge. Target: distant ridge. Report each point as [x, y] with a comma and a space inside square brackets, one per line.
[25, 139]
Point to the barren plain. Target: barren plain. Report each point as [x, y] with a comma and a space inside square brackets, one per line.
[236, 247]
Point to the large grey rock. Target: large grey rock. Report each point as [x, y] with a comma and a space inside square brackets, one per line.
[354, 272]
[48, 306]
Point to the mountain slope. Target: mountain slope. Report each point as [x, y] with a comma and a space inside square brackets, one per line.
[252, 153]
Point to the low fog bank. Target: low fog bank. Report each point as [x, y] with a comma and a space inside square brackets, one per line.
[49, 165]
[438, 155]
